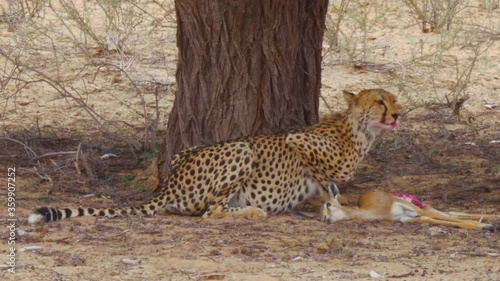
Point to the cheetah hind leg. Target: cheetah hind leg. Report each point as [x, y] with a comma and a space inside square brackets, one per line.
[220, 208]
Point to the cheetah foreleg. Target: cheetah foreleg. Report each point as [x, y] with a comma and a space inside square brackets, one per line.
[218, 211]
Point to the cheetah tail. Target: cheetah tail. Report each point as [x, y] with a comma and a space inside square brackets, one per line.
[52, 214]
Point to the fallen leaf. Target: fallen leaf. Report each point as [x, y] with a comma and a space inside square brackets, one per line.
[43, 232]
[247, 252]
[215, 253]
[213, 277]
[374, 274]
[132, 261]
[30, 248]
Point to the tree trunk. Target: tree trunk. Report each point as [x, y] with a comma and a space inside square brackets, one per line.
[245, 67]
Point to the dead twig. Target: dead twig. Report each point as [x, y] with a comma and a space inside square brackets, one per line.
[57, 153]
[47, 178]
[474, 254]
[77, 165]
[326, 103]
[460, 189]
[26, 147]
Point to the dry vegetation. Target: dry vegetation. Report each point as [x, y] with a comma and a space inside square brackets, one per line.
[83, 79]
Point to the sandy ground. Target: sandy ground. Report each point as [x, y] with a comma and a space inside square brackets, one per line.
[284, 247]
[451, 162]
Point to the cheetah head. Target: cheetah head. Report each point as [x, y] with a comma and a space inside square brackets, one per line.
[377, 109]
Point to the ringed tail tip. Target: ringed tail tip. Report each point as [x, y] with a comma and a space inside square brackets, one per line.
[38, 215]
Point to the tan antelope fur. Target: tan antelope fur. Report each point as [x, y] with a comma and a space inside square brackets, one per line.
[381, 205]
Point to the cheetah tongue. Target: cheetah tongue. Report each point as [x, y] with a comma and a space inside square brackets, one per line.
[391, 125]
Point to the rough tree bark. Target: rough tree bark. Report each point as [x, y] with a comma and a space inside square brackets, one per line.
[245, 67]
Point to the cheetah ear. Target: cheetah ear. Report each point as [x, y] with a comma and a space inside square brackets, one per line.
[350, 98]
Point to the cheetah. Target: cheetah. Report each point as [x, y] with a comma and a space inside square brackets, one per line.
[260, 175]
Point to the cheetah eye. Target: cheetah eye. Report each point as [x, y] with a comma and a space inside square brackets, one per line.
[381, 102]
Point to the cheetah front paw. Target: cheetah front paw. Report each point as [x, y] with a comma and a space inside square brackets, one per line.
[251, 212]
[246, 212]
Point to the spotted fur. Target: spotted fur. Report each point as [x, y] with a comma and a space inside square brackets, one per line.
[254, 176]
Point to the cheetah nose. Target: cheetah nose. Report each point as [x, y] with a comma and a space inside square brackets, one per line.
[395, 115]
